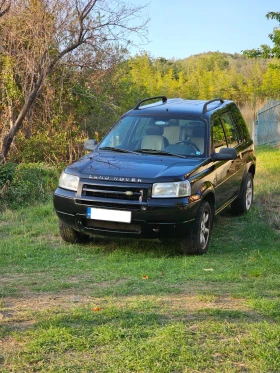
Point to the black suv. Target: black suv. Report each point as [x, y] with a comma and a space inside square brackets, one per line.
[162, 172]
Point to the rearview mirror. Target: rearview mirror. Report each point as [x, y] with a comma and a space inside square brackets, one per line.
[225, 154]
[90, 145]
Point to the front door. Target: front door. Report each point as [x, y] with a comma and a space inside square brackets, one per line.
[228, 174]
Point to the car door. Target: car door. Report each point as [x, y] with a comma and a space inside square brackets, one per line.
[227, 174]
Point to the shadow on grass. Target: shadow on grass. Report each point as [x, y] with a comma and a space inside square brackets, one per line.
[155, 248]
[84, 319]
[230, 234]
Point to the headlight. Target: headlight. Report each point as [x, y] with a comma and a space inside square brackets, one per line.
[67, 181]
[171, 190]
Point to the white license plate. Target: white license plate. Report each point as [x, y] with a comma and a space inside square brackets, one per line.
[109, 215]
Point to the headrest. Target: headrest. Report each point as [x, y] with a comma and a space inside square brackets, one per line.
[154, 130]
[198, 132]
[186, 132]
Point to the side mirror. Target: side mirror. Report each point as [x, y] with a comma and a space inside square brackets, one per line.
[225, 154]
[90, 145]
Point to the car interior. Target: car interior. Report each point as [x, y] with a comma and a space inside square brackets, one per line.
[175, 138]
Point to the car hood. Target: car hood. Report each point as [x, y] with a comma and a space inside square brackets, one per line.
[108, 165]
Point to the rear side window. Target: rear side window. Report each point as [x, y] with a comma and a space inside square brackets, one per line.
[219, 138]
[239, 121]
[230, 130]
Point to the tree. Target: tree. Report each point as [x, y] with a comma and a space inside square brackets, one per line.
[265, 51]
[4, 7]
[39, 35]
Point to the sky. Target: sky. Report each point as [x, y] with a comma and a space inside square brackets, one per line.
[181, 28]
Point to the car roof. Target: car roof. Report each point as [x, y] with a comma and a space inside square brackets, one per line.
[179, 107]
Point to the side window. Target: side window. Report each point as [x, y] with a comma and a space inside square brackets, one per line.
[139, 129]
[118, 135]
[121, 131]
[219, 139]
[230, 130]
[240, 122]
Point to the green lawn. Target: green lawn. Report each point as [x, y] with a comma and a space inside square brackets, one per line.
[124, 306]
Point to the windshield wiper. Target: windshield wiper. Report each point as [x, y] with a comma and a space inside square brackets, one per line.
[159, 152]
[120, 150]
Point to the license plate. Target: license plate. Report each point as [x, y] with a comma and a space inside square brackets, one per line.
[109, 215]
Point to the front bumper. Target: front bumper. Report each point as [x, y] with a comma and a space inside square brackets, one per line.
[155, 219]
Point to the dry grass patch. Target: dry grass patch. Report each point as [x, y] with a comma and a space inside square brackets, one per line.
[65, 333]
[22, 313]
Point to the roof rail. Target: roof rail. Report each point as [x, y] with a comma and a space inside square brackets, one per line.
[164, 99]
[204, 110]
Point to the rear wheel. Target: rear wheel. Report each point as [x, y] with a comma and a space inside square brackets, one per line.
[244, 200]
[197, 242]
[70, 235]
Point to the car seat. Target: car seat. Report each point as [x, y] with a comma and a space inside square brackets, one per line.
[154, 138]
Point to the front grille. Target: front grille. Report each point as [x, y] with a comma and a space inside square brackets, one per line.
[112, 226]
[113, 195]
[114, 192]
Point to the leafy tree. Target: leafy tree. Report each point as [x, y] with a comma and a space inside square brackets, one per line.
[142, 72]
[265, 51]
[271, 84]
[40, 35]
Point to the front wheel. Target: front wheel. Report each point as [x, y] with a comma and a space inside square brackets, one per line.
[70, 235]
[197, 242]
[244, 200]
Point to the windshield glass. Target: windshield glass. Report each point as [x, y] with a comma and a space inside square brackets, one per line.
[178, 136]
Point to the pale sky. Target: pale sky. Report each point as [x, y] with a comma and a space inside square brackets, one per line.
[181, 28]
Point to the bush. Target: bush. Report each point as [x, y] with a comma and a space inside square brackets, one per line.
[30, 183]
[43, 148]
[7, 172]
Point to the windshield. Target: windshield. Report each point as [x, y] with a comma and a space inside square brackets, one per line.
[157, 135]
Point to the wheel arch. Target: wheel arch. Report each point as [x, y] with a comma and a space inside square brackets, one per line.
[207, 193]
[252, 169]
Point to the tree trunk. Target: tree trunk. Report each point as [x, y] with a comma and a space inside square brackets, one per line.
[8, 139]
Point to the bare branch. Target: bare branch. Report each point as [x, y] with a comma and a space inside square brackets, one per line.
[4, 7]
[40, 35]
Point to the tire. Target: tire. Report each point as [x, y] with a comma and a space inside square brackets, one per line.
[70, 235]
[243, 202]
[197, 242]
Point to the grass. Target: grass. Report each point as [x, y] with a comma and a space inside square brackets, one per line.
[126, 306]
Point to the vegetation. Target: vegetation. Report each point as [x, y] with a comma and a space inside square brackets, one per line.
[39, 36]
[26, 183]
[66, 75]
[265, 51]
[77, 105]
[121, 306]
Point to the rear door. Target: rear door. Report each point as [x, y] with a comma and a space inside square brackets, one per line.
[228, 174]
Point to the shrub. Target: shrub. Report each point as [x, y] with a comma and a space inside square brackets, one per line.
[7, 172]
[41, 147]
[30, 183]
